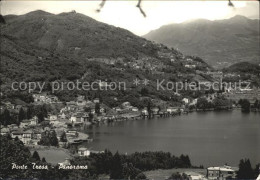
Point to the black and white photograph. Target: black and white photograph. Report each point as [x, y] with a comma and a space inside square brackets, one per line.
[129, 89]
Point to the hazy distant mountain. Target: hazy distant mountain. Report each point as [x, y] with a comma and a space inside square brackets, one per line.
[243, 67]
[220, 43]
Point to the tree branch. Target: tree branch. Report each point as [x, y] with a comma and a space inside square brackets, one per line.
[140, 8]
[138, 5]
[230, 3]
[101, 5]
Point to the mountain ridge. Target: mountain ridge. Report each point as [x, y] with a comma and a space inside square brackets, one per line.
[42, 47]
[219, 42]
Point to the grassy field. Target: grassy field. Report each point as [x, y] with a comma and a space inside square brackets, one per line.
[52, 155]
[162, 174]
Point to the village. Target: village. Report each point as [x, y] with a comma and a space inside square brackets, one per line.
[82, 111]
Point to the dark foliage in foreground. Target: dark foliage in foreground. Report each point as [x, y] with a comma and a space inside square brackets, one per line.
[116, 165]
[178, 176]
[246, 171]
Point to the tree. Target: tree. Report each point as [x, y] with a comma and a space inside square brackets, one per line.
[186, 160]
[49, 138]
[21, 115]
[6, 118]
[91, 117]
[2, 20]
[116, 169]
[141, 176]
[257, 170]
[40, 117]
[63, 137]
[97, 108]
[13, 151]
[29, 112]
[36, 156]
[202, 103]
[44, 110]
[256, 104]
[43, 160]
[245, 105]
[245, 170]
[129, 171]
[178, 176]
[221, 103]
[149, 110]
[53, 139]
[144, 92]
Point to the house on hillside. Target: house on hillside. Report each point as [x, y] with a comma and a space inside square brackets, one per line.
[134, 109]
[5, 131]
[223, 172]
[24, 136]
[83, 152]
[8, 105]
[65, 163]
[18, 107]
[96, 100]
[191, 66]
[173, 109]
[186, 100]
[71, 106]
[126, 104]
[71, 133]
[117, 109]
[27, 137]
[145, 112]
[52, 117]
[37, 134]
[25, 123]
[155, 110]
[79, 117]
[81, 101]
[194, 101]
[34, 121]
[17, 133]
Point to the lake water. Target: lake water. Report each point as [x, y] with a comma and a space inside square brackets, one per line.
[209, 138]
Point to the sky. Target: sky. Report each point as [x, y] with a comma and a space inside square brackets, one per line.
[126, 15]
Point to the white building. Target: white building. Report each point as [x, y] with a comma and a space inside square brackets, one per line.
[221, 173]
[83, 152]
[172, 109]
[53, 117]
[135, 109]
[145, 112]
[186, 100]
[34, 121]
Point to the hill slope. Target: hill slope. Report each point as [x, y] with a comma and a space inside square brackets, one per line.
[220, 43]
[243, 67]
[44, 47]
[66, 31]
